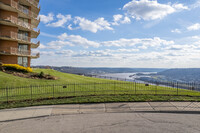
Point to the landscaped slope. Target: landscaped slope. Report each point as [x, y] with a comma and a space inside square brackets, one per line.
[10, 80]
[69, 88]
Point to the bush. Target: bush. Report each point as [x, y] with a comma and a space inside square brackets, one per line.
[18, 68]
[41, 75]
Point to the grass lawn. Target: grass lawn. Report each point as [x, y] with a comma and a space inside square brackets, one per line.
[10, 80]
[99, 99]
[70, 88]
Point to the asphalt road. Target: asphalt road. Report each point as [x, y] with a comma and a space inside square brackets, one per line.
[129, 122]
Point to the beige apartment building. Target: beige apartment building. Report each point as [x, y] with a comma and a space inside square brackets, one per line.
[18, 31]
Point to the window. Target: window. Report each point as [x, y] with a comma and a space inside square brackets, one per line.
[23, 22]
[20, 61]
[23, 35]
[23, 61]
[25, 9]
[23, 49]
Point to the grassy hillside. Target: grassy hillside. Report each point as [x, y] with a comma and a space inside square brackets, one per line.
[70, 88]
[10, 80]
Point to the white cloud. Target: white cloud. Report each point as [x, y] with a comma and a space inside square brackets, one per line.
[148, 42]
[122, 50]
[194, 27]
[104, 24]
[142, 47]
[42, 46]
[118, 18]
[126, 20]
[47, 19]
[48, 53]
[151, 9]
[72, 40]
[62, 20]
[134, 43]
[93, 26]
[195, 5]
[179, 7]
[66, 52]
[82, 23]
[176, 31]
[98, 53]
[70, 27]
[48, 35]
[158, 52]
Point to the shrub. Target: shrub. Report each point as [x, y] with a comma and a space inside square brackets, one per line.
[18, 68]
[41, 75]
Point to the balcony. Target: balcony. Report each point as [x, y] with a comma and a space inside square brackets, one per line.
[19, 8]
[13, 36]
[18, 52]
[18, 22]
[34, 3]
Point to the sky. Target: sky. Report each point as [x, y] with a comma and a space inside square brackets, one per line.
[119, 33]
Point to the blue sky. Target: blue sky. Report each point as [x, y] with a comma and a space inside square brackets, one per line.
[120, 33]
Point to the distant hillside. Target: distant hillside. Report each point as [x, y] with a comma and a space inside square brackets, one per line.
[187, 74]
[82, 70]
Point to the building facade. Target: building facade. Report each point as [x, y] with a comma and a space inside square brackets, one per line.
[18, 31]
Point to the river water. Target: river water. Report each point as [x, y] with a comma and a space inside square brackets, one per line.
[130, 76]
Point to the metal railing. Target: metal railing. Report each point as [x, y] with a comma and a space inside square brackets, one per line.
[23, 9]
[35, 3]
[19, 37]
[18, 52]
[68, 90]
[182, 85]
[21, 23]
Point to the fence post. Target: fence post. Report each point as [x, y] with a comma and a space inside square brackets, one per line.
[156, 88]
[94, 88]
[177, 88]
[135, 87]
[31, 91]
[53, 90]
[7, 93]
[114, 87]
[74, 89]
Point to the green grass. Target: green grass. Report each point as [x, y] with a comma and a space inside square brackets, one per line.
[82, 89]
[10, 80]
[99, 99]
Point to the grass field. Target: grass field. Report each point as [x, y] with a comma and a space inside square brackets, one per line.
[10, 80]
[71, 88]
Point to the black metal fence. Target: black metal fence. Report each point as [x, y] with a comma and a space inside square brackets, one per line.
[35, 92]
[183, 85]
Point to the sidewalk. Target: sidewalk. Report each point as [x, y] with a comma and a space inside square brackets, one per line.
[73, 109]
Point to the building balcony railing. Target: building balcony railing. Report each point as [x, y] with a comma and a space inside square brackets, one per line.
[23, 9]
[19, 37]
[21, 23]
[34, 3]
[18, 52]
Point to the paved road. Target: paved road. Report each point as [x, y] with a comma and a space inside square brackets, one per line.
[147, 117]
[107, 123]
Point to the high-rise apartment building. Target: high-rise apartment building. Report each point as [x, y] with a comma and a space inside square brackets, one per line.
[18, 31]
